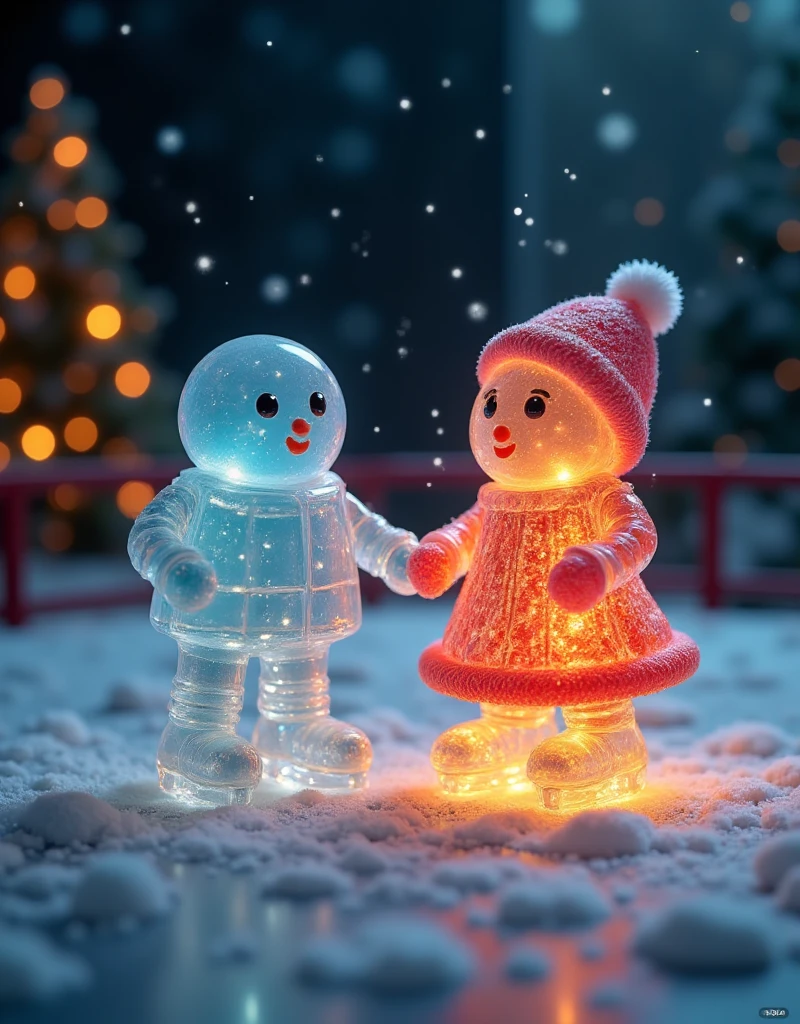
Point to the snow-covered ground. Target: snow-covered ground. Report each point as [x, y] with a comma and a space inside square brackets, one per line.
[394, 904]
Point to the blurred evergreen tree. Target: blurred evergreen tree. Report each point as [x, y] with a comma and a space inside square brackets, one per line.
[76, 325]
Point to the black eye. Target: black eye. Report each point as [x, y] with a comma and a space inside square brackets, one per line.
[266, 405]
[317, 403]
[535, 407]
[490, 408]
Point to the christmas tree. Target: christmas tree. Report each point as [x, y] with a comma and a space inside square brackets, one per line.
[76, 325]
[750, 315]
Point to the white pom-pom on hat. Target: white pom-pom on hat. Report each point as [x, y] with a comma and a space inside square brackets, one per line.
[653, 288]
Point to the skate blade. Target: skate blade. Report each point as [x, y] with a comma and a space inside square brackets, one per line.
[178, 785]
[598, 794]
[492, 781]
[297, 775]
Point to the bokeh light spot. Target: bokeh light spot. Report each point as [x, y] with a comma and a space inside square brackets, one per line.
[91, 212]
[70, 151]
[103, 321]
[133, 496]
[789, 236]
[740, 11]
[648, 212]
[10, 395]
[79, 378]
[787, 374]
[19, 282]
[56, 535]
[38, 442]
[132, 379]
[47, 93]
[61, 215]
[5, 456]
[67, 497]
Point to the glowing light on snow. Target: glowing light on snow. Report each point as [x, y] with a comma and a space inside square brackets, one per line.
[456, 272]
[275, 288]
[616, 131]
[477, 310]
[170, 140]
[405, 104]
[204, 264]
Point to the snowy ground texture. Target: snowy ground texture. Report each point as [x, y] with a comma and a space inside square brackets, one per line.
[395, 904]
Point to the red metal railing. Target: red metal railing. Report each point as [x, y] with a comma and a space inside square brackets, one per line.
[374, 478]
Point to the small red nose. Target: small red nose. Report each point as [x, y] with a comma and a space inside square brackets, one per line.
[301, 427]
[501, 433]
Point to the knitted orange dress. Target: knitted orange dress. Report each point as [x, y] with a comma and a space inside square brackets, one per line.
[509, 643]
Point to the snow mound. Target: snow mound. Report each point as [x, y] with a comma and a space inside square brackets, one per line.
[468, 875]
[120, 886]
[784, 773]
[527, 963]
[490, 830]
[306, 882]
[32, 968]
[775, 858]
[707, 935]
[788, 895]
[65, 726]
[602, 834]
[551, 901]
[756, 738]
[390, 957]
[11, 856]
[361, 859]
[64, 818]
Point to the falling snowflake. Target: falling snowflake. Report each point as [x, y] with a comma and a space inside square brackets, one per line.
[170, 140]
[437, 461]
[506, 89]
[366, 368]
[275, 288]
[446, 83]
[204, 264]
[336, 212]
[434, 413]
[430, 208]
[402, 351]
[480, 133]
[477, 310]
[191, 207]
[456, 272]
[517, 211]
[606, 90]
[706, 402]
[405, 104]
[125, 30]
[529, 221]
[304, 279]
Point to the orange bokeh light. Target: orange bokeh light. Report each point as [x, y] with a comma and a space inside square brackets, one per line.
[18, 234]
[79, 378]
[19, 282]
[120, 448]
[10, 395]
[38, 442]
[5, 456]
[2, 328]
[91, 212]
[70, 151]
[103, 321]
[132, 379]
[47, 93]
[67, 497]
[144, 319]
[787, 374]
[61, 215]
[789, 153]
[56, 535]
[133, 496]
[789, 236]
[80, 433]
[648, 212]
[740, 11]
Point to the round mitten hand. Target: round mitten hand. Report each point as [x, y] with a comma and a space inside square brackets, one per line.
[396, 573]
[430, 569]
[190, 582]
[578, 582]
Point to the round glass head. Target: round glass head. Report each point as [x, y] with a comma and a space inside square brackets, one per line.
[533, 429]
[264, 411]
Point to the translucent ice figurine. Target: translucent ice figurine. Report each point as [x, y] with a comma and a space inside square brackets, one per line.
[256, 553]
[552, 611]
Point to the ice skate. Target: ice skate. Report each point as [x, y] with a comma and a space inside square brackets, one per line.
[298, 740]
[490, 752]
[600, 758]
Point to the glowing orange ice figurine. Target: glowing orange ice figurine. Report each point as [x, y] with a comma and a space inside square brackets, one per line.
[552, 611]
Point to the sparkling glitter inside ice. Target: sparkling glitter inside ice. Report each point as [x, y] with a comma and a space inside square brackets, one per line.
[552, 611]
[255, 553]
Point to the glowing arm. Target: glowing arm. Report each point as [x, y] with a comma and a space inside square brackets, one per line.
[587, 573]
[445, 555]
[157, 551]
[382, 550]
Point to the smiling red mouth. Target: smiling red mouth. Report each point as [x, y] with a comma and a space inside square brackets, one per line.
[503, 453]
[297, 447]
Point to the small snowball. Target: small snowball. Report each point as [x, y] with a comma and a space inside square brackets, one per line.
[64, 818]
[747, 791]
[306, 882]
[11, 856]
[551, 901]
[708, 935]
[602, 834]
[756, 738]
[32, 968]
[527, 963]
[788, 893]
[390, 957]
[362, 860]
[65, 726]
[784, 773]
[775, 858]
[120, 885]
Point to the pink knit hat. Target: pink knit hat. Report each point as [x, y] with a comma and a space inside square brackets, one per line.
[605, 344]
